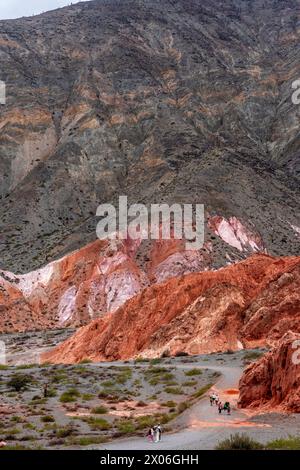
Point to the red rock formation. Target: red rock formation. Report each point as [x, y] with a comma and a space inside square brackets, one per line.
[72, 290]
[273, 382]
[196, 313]
[90, 282]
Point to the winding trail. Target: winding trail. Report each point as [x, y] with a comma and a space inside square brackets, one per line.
[201, 426]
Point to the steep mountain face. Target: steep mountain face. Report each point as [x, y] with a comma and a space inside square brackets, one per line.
[174, 101]
[273, 382]
[197, 313]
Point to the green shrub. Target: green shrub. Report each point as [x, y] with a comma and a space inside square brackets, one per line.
[252, 355]
[169, 404]
[85, 441]
[108, 383]
[202, 391]
[124, 376]
[19, 382]
[145, 421]
[98, 424]
[239, 442]
[87, 396]
[99, 410]
[174, 390]
[14, 447]
[155, 361]
[192, 372]
[69, 395]
[26, 366]
[156, 370]
[17, 419]
[64, 431]
[290, 443]
[47, 419]
[141, 360]
[126, 426]
[189, 383]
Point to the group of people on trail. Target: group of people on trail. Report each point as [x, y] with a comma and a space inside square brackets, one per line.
[214, 400]
[154, 433]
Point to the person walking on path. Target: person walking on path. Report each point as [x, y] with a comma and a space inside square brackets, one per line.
[159, 432]
[220, 407]
[150, 434]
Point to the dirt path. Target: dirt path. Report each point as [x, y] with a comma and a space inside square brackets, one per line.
[201, 426]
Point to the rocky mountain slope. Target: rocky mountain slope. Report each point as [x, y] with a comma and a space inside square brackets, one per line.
[273, 382]
[196, 313]
[104, 274]
[174, 101]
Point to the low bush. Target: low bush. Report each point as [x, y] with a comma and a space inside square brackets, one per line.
[69, 395]
[192, 372]
[99, 410]
[19, 382]
[239, 442]
[290, 443]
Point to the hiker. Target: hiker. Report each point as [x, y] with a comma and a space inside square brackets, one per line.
[211, 400]
[227, 407]
[159, 432]
[45, 390]
[216, 399]
[220, 407]
[150, 434]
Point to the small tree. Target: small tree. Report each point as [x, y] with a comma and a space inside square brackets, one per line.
[19, 382]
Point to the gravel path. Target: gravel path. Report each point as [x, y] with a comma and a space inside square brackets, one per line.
[201, 426]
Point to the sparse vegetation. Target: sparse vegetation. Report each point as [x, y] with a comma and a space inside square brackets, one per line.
[99, 424]
[47, 419]
[202, 390]
[126, 427]
[290, 443]
[99, 410]
[69, 396]
[239, 442]
[174, 390]
[87, 440]
[253, 355]
[193, 372]
[64, 431]
[19, 382]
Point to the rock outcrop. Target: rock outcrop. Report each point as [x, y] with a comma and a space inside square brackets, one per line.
[97, 279]
[196, 313]
[91, 281]
[273, 382]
